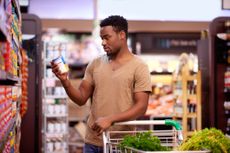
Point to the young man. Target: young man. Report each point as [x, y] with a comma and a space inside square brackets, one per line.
[118, 83]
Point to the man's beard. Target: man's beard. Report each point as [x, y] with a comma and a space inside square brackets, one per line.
[109, 55]
[112, 54]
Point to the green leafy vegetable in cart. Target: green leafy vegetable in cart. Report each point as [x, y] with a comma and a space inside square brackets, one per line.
[207, 139]
[143, 141]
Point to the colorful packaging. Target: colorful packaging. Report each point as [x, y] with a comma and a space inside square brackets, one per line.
[61, 64]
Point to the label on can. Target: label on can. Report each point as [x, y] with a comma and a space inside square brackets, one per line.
[61, 64]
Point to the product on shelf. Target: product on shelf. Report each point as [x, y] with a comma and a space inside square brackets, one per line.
[10, 87]
[2, 54]
[227, 79]
[224, 36]
[161, 102]
[24, 75]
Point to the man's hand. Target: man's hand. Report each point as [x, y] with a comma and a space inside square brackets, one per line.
[56, 71]
[101, 124]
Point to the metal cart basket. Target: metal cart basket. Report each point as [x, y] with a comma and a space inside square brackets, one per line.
[169, 137]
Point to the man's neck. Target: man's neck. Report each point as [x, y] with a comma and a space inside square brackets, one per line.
[122, 57]
[123, 54]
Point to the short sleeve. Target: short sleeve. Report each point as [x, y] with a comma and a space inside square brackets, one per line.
[142, 79]
[88, 76]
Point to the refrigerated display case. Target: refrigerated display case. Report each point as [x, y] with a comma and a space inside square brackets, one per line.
[54, 101]
[219, 65]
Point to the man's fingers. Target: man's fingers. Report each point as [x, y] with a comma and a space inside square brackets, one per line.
[95, 127]
[54, 66]
[56, 70]
[100, 132]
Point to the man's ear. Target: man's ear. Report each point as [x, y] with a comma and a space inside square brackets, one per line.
[122, 35]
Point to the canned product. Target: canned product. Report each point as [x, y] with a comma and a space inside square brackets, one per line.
[61, 64]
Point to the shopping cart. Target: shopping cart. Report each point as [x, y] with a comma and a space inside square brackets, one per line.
[169, 137]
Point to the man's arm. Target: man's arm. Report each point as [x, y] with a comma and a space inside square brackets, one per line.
[137, 110]
[78, 95]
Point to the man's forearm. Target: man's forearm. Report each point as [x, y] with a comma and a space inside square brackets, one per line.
[73, 93]
[131, 114]
[137, 110]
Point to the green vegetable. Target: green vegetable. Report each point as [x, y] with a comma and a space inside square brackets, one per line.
[144, 141]
[207, 139]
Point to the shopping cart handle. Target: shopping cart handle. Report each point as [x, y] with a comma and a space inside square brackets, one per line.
[173, 123]
[177, 127]
[153, 122]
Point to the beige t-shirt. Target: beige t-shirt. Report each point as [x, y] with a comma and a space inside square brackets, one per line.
[113, 90]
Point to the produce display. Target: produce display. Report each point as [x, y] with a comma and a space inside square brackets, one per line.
[161, 101]
[143, 141]
[207, 139]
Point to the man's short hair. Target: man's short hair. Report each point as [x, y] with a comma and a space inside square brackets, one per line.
[119, 23]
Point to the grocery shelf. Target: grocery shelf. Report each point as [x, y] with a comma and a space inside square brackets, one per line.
[191, 77]
[193, 96]
[189, 115]
[55, 135]
[189, 110]
[55, 97]
[10, 82]
[5, 76]
[56, 115]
